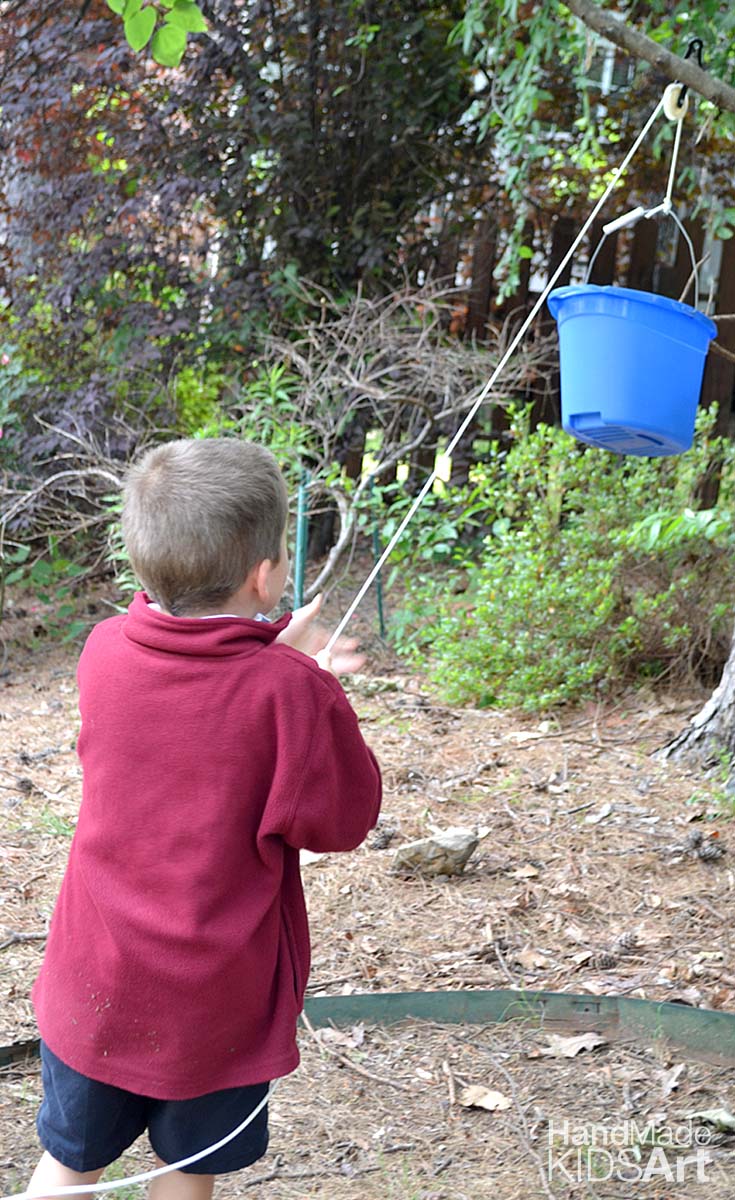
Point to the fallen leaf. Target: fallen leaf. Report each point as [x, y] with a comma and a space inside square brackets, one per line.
[477, 1096]
[652, 899]
[339, 1037]
[719, 1117]
[575, 934]
[671, 1079]
[690, 996]
[424, 1074]
[594, 818]
[525, 872]
[596, 987]
[530, 959]
[570, 1047]
[723, 998]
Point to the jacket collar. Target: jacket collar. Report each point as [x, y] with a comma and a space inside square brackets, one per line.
[216, 637]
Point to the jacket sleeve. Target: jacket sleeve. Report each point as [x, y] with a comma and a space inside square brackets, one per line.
[337, 798]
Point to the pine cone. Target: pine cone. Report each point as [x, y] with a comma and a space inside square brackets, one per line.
[604, 961]
[627, 943]
[693, 840]
[710, 851]
[486, 953]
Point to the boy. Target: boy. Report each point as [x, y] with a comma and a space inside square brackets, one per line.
[213, 748]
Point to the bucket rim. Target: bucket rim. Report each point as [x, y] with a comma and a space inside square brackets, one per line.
[557, 297]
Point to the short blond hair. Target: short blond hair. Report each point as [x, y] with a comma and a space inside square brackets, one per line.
[199, 515]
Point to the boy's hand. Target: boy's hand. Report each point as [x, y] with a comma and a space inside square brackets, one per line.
[304, 634]
[343, 659]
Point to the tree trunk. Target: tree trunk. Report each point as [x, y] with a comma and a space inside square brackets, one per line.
[713, 728]
[546, 401]
[718, 385]
[481, 287]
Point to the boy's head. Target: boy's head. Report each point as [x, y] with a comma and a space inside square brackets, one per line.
[199, 516]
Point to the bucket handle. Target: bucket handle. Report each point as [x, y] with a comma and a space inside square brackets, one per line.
[630, 218]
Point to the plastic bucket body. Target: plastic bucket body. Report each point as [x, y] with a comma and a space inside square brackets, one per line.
[631, 368]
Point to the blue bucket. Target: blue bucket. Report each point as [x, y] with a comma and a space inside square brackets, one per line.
[631, 368]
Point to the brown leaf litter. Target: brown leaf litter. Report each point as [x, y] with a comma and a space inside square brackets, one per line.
[583, 881]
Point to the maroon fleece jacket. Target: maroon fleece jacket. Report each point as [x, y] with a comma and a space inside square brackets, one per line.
[178, 951]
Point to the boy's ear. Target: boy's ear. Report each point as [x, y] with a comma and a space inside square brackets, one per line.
[261, 579]
[261, 575]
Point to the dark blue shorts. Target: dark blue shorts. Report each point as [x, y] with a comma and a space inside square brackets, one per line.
[86, 1125]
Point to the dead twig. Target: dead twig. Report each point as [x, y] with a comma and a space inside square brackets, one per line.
[347, 1062]
[15, 938]
[728, 354]
[693, 275]
[523, 1130]
[451, 1085]
[279, 1173]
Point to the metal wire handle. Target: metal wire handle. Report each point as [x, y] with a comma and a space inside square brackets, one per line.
[630, 219]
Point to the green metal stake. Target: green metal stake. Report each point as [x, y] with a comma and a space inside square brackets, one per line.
[376, 557]
[302, 525]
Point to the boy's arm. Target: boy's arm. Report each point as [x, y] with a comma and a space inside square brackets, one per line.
[336, 800]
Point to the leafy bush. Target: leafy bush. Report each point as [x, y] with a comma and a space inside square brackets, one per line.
[197, 394]
[589, 570]
[49, 580]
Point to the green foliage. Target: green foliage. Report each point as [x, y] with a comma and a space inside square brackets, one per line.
[50, 581]
[197, 392]
[554, 124]
[665, 530]
[15, 383]
[440, 531]
[569, 590]
[262, 410]
[55, 824]
[172, 21]
[117, 555]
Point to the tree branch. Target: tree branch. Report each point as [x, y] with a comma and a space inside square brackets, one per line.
[676, 68]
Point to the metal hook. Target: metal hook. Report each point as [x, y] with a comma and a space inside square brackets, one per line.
[696, 46]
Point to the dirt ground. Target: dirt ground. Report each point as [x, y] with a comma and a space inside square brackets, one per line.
[586, 879]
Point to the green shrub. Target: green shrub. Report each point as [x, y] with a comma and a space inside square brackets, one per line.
[589, 570]
[197, 394]
[209, 405]
[51, 580]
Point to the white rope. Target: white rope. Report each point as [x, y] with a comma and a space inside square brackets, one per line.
[520, 334]
[672, 171]
[92, 1189]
